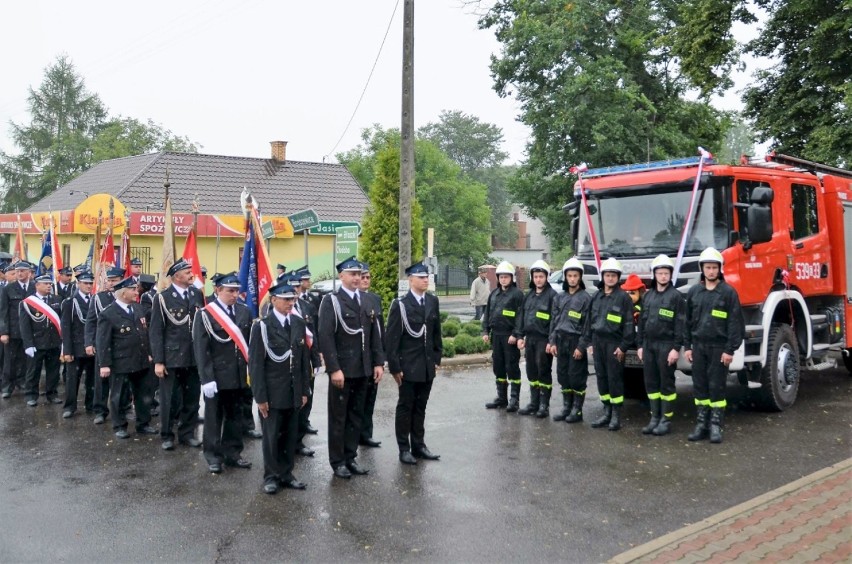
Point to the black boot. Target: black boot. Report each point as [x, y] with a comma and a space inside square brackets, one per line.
[567, 400]
[655, 417]
[544, 404]
[500, 400]
[666, 412]
[615, 422]
[514, 399]
[532, 406]
[702, 424]
[717, 415]
[576, 409]
[604, 419]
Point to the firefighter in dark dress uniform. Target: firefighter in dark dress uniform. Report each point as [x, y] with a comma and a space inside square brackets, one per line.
[15, 362]
[40, 335]
[501, 326]
[65, 287]
[305, 309]
[305, 294]
[174, 359]
[352, 351]
[222, 363]
[100, 301]
[375, 302]
[75, 309]
[124, 357]
[279, 364]
[414, 349]
[715, 329]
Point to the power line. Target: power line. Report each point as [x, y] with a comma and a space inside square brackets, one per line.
[364, 91]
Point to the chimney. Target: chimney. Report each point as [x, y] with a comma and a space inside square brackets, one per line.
[279, 150]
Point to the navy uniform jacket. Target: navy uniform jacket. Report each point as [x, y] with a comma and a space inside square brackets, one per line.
[219, 362]
[146, 302]
[10, 299]
[100, 302]
[171, 343]
[309, 315]
[281, 384]
[74, 312]
[63, 292]
[415, 357]
[36, 329]
[357, 354]
[376, 304]
[122, 340]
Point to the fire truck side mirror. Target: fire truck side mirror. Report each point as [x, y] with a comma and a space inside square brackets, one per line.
[762, 195]
[759, 216]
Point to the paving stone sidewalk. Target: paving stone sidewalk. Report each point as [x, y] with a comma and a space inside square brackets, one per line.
[809, 520]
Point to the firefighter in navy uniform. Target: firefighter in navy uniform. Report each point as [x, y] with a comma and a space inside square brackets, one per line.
[714, 330]
[100, 301]
[39, 323]
[314, 299]
[15, 362]
[223, 370]
[535, 330]
[124, 357]
[568, 319]
[174, 359]
[501, 326]
[375, 302]
[75, 309]
[352, 351]
[610, 332]
[305, 309]
[414, 349]
[658, 341]
[65, 287]
[279, 364]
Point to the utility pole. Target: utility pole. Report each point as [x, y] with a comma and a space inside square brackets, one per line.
[406, 158]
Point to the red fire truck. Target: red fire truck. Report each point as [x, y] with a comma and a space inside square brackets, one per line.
[784, 228]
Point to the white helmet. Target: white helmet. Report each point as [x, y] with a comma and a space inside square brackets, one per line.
[612, 265]
[573, 263]
[662, 261]
[505, 267]
[710, 255]
[540, 265]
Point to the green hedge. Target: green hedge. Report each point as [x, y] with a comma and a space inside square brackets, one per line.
[474, 330]
[450, 329]
[449, 348]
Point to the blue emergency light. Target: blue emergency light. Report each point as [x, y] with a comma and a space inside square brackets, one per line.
[643, 167]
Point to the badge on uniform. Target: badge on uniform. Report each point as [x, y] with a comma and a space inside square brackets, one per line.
[174, 294]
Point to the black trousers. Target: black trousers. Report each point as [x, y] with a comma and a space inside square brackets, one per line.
[85, 366]
[370, 396]
[49, 358]
[345, 410]
[659, 376]
[122, 385]
[182, 409]
[223, 426]
[279, 444]
[709, 375]
[506, 360]
[411, 414]
[573, 375]
[246, 403]
[305, 414]
[610, 372]
[15, 365]
[539, 362]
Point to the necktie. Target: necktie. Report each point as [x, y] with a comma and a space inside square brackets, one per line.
[231, 313]
[86, 299]
[357, 298]
[130, 310]
[286, 322]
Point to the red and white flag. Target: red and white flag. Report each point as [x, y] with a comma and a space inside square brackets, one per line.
[190, 255]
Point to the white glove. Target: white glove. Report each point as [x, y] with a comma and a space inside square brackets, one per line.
[209, 389]
[30, 352]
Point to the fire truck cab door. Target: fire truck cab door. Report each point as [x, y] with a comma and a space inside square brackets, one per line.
[811, 265]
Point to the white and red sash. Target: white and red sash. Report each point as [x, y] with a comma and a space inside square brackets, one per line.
[229, 326]
[309, 337]
[48, 311]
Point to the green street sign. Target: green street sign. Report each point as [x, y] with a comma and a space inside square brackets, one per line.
[305, 219]
[329, 227]
[267, 230]
[347, 243]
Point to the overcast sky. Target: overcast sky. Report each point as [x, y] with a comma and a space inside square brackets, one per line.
[233, 76]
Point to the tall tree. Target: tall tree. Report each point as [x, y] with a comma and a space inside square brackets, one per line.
[121, 137]
[55, 145]
[380, 248]
[597, 84]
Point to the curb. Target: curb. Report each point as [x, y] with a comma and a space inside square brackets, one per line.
[463, 360]
[671, 538]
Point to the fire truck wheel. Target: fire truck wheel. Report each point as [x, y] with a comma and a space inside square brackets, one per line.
[780, 377]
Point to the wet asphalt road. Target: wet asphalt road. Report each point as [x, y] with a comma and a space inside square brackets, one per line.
[507, 488]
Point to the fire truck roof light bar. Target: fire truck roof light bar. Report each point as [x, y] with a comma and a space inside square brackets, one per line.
[640, 167]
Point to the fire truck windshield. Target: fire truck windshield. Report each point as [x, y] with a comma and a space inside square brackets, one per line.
[648, 220]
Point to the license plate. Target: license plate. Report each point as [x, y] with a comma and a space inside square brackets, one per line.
[632, 359]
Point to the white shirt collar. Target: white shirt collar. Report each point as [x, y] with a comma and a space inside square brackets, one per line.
[84, 296]
[181, 291]
[350, 293]
[123, 305]
[280, 316]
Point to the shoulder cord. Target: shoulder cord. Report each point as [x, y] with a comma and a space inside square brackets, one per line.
[338, 321]
[404, 315]
[99, 307]
[77, 310]
[167, 315]
[210, 331]
[33, 317]
[272, 356]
